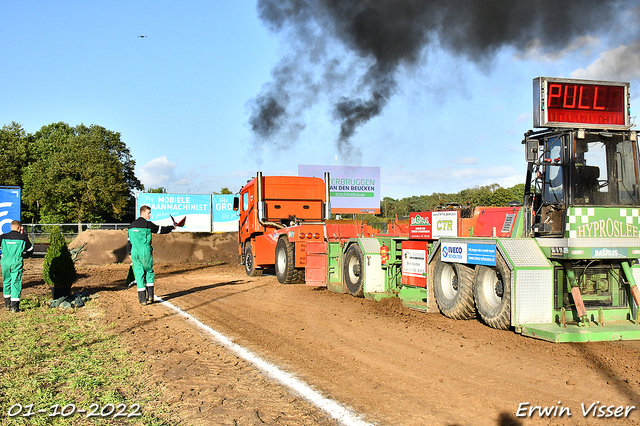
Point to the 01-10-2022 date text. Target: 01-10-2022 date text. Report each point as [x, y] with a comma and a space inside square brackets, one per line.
[94, 410]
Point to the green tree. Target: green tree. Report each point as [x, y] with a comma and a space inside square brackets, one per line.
[158, 190]
[14, 154]
[223, 191]
[58, 268]
[83, 174]
[518, 192]
[501, 197]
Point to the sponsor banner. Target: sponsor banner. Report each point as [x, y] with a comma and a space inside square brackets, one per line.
[196, 208]
[453, 252]
[224, 218]
[352, 189]
[420, 225]
[9, 207]
[474, 254]
[481, 254]
[608, 253]
[433, 225]
[445, 224]
[414, 262]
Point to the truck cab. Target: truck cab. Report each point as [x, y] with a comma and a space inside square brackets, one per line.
[571, 171]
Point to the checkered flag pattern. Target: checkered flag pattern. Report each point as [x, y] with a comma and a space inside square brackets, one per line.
[631, 216]
[581, 215]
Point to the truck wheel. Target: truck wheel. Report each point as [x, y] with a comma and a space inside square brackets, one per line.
[248, 262]
[301, 277]
[354, 270]
[492, 291]
[285, 264]
[453, 288]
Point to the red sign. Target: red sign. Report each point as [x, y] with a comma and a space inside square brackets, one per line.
[420, 225]
[414, 263]
[580, 103]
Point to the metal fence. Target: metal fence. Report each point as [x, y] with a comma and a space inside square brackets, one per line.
[40, 232]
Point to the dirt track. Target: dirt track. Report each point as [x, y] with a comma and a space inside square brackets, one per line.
[393, 365]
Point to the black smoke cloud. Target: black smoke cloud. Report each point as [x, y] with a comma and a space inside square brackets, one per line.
[349, 51]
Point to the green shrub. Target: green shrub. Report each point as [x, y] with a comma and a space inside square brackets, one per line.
[58, 268]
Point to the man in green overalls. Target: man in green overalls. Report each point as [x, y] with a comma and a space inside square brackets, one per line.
[140, 232]
[14, 246]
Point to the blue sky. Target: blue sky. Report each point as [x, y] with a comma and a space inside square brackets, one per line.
[181, 96]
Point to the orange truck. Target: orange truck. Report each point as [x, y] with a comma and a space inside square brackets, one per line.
[279, 215]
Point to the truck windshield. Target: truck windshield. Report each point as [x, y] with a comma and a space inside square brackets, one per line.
[605, 171]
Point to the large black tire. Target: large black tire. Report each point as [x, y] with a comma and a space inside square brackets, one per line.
[492, 291]
[249, 266]
[453, 288]
[301, 277]
[353, 270]
[285, 262]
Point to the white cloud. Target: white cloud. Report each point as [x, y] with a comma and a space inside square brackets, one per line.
[466, 160]
[535, 50]
[157, 172]
[619, 64]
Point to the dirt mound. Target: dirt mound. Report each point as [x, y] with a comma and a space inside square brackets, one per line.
[103, 247]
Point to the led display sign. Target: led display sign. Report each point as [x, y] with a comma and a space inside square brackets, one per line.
[564, 102]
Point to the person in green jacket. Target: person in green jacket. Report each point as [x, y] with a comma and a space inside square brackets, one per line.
[140, 231]
[14, 247]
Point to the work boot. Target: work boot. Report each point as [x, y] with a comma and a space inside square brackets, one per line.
[7, 303]
[15, 306]
[142, 297]
[150, 294]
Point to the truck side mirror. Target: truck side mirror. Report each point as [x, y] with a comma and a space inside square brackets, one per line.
[236, 203]
[533, 148]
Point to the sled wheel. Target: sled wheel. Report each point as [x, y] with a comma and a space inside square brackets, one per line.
[354, 270]
[285, 269]
[453, 288]
[492, 291]
[249, 266]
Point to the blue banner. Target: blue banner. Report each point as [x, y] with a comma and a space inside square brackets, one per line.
[481, 254]
[9, 207]
[224, 218]
[195, 207]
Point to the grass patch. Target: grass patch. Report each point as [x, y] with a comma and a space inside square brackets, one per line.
[50, 357]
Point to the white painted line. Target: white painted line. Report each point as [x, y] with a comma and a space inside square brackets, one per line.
[342, 414]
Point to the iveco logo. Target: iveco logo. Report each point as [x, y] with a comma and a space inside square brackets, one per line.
[446, 251]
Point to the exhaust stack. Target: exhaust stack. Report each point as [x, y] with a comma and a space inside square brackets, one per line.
[327, 204]
[260, 202]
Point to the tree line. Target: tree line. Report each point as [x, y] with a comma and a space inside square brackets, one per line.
[489, 195]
